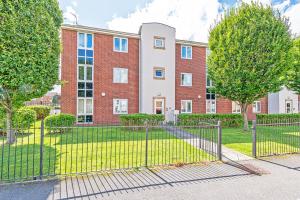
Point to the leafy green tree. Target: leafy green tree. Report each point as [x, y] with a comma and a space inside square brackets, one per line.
[249, 54]
[294, 74]
[30, 48]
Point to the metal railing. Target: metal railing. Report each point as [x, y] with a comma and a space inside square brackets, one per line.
[41, 152]
[275, 137]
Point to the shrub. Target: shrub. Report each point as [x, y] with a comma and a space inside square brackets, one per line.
[278, 118]
[141, 119]
[227, 120]
[41, 111]
[24, 117]
[59, 123]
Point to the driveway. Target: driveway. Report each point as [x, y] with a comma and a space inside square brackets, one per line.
[280, 179]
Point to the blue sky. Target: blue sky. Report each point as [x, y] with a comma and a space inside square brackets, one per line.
[191, 18]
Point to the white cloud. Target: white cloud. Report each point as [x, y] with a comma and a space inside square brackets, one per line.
[191, 18]
[70, 15]
[74, 3]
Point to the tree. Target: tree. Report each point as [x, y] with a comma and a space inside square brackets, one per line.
[30, 48]
[249, 54]
[294, 74]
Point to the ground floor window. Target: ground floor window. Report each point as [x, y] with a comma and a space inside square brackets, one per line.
[210, 106]
[186, 106]
[256, 107]
[85, 110]
[120, 106]
[236, 108]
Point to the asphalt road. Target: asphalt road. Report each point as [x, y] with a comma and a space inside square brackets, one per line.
[280, 180]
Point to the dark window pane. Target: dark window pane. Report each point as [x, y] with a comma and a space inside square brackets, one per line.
[89, 85]
[81, 119]
[89, 93]
[81, 60]
[89, 118]
[81, 93]
[81, 85]
[89, 41]
[89, 53]
[81, 52]
[208, 96]
[158, 73]
[213, 96]
[89, 61]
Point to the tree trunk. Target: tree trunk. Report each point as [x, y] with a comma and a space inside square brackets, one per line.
[245, 118]
[10, 133]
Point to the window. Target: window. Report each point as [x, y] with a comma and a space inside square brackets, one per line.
[120, 44]
[85, 61]
[186, 106]
[210, 101]
[120, 75]
[186, 79]
[209, 82]
[256, 107]
[85, 110]
[236, 108]
[186, 52]
[159, 42]
[120, 106]
[159, 73]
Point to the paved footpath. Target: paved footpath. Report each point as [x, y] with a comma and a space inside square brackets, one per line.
[280, 180]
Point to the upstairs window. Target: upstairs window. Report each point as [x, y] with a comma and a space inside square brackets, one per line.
[85, 41]
[186, 52]
[120, 75]
[256, 107]
[120, 44]
[186, 79]
[159, 73]
[159, 43]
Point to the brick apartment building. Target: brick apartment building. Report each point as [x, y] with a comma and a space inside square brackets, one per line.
[108, 73]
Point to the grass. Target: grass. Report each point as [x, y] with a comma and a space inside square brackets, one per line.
[270, 140]
[91, 149]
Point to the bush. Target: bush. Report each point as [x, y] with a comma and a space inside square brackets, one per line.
[59, 123]
[24, 117]
[278, 118]
[141, 119]
[41, 111]
[227, 120]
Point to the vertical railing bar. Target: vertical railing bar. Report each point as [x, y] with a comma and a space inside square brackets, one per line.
[41, 148]
[219, 141]
[254, 138]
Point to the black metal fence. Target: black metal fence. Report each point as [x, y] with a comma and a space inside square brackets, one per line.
[41, 152]
[276, 137]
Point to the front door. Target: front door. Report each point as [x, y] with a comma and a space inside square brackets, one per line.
[288, 106]
[159, 106]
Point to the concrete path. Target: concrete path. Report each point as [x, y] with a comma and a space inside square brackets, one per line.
[280, 180]
[206, 145]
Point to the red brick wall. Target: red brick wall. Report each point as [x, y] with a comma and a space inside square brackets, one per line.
[196, 66]
[68, 72]
[105, 60]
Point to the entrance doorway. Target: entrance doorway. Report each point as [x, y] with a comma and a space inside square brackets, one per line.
[159, 105]
[288, 106]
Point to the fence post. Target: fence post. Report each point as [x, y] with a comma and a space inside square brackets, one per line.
[254, 138]
[42, 148]
[219, 152]
[147, 138]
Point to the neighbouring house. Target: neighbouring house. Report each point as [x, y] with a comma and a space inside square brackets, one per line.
[109, 73]
[46, 100]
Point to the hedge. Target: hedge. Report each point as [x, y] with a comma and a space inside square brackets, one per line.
[227, 120]
[59, 123]
[141, 119]
[279, 118]
[24, 117]
[41, 111]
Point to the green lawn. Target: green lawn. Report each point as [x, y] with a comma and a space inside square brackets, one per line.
[271, 140]
[92, 149]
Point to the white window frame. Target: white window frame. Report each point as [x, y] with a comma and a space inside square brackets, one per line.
[120, 38]
[185, 104]
[85, 41]
[114, 103]
[85, 73]
[186, 56]
[254, 107]
[236, 108]
[210, 111]
[181, 82]
[162, 41]
[119, 70]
